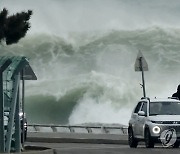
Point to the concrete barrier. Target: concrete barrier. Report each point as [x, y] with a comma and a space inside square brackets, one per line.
[76, 138]
[101, 129]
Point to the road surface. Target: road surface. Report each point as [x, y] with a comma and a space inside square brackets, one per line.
[80, 148]
[92, 148]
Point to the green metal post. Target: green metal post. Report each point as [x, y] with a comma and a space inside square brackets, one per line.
[6, 63]
[17, 125]
[2, 141]
[12, 113]
[23, 93]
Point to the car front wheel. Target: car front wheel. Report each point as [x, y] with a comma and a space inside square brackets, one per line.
[148, 139]
[131, 139]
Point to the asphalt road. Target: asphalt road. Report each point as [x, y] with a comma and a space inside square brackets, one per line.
[76, 143]
[80, 148]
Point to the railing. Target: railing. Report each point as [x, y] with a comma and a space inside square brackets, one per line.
[77, 129]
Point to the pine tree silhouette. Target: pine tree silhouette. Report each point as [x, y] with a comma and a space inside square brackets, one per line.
[15, 27]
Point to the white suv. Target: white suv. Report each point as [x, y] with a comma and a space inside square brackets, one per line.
[151, 118]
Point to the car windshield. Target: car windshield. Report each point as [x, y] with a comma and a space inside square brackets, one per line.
[164, 108]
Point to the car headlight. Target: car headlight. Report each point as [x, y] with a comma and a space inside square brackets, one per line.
[156, 130]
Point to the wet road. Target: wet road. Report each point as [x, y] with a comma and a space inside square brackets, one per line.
[81, 148]
[76, 143]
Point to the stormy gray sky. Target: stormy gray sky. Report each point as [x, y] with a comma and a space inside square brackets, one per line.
[57, 16]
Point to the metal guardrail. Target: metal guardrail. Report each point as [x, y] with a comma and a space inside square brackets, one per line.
[78, 129]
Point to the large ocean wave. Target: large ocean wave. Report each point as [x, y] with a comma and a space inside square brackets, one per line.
[90, 78]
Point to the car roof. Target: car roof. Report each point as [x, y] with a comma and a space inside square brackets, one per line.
[155, 100]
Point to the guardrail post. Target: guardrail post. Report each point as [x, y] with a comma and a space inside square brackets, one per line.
[54, 129]
[71, 129]
[36, 128]
[89, 129]
[104, 130]
[125, 130]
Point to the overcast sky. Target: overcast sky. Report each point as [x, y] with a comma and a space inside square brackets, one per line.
[59, 16]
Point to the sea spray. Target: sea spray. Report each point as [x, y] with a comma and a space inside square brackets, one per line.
[94, 81]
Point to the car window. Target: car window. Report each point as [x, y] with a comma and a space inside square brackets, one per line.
[164, 108]
[137, 107]
[144, 108]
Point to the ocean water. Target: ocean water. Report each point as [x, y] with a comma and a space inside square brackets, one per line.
[84, 60]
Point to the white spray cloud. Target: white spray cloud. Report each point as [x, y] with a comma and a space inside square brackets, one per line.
[89, 111]
[106, 63]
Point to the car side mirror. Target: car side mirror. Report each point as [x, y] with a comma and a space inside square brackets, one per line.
[141, 113]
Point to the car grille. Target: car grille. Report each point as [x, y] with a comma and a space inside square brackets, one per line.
[166, 122]
[170, 122]
[177, 128]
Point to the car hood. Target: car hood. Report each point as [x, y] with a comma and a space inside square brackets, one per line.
[165, 118]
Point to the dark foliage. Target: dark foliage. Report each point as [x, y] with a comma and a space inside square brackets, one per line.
[15, 27]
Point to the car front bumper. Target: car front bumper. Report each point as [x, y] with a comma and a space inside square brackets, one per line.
[164, 129]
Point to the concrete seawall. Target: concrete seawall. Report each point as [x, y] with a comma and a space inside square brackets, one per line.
[76, 138]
